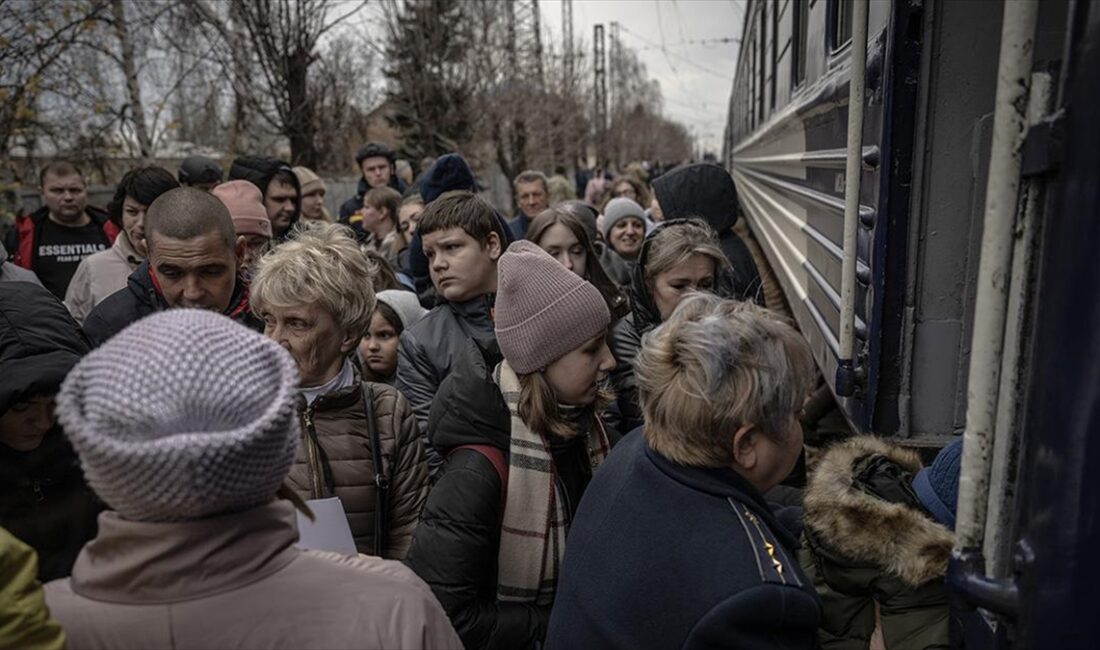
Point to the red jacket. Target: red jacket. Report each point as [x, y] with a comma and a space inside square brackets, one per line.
[22, 245]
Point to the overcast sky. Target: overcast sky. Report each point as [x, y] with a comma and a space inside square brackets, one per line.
[695, 78]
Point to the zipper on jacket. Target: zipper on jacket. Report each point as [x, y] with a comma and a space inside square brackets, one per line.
[39, 495]
[311, 453]
[768, 546]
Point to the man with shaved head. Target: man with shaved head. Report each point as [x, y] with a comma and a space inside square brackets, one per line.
[194, 259]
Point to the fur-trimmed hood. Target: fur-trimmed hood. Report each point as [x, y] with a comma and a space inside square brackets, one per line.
[900, 539]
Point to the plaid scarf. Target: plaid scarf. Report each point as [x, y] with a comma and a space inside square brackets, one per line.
[532, 535]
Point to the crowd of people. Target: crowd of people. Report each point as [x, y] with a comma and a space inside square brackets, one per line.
[568, 427]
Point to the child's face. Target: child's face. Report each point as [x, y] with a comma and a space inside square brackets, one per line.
[461, 268]
[378, 348]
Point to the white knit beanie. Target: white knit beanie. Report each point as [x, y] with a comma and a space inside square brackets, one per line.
[183, 415]
[403, 303]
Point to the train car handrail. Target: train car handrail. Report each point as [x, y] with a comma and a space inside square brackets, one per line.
[845, 372]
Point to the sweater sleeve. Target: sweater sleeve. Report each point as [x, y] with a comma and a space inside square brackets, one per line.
[409, 484]
[455, 549]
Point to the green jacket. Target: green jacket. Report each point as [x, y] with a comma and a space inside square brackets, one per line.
[24, 620]
[867, 540]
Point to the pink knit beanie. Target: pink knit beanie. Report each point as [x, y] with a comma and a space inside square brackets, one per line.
[246, 207]
[543, 310]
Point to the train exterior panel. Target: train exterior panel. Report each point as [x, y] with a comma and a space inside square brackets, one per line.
[785, 147]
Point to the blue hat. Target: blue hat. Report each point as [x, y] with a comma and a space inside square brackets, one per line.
[937, 486]
[449, 172]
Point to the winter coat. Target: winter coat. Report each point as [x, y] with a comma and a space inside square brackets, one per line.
[427, 351]
[238, 581]
[100, 275]
[662, 555]
[519, 225]
[868, 540]
[24, 620]
[335, 451]
[44, 500]
[259, 170]
[22, 240]
[707, 191]
[9, 272]
[456, 546]
[348, 207]
[141, 298]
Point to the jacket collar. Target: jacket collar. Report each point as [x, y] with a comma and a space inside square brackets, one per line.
[724, 483]
[134, 562]
[476, 313]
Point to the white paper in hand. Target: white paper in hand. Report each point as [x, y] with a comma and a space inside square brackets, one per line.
[329, 531]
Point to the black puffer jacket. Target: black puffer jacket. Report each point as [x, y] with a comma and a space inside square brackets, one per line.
[455, 547]
[44, 500]
[625, 336]
[428, 350]
[141, 298]
[707, 191]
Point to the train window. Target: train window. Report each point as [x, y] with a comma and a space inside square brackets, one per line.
[801, 32]
[840, 23]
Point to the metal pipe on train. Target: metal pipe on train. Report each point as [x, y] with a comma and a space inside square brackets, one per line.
[845, 372]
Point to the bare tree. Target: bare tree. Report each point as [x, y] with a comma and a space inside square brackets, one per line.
[34, 38]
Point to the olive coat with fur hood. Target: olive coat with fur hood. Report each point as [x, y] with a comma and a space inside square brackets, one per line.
[867, 539]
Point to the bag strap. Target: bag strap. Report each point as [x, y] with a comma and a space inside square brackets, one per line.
[381, 483]
[500, 466]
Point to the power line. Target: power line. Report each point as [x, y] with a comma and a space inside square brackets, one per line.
[696, 41]
[679, 56]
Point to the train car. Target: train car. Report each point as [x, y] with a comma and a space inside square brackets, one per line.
[948, 225]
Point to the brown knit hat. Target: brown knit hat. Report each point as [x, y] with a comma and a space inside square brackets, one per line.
[308, 179]
[543, 310]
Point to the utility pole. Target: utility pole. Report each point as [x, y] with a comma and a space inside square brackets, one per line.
[600, 114]
[567, 40]
[615, 98]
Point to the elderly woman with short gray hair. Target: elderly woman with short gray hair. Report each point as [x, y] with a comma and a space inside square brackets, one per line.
[673, 528]
[359, 439]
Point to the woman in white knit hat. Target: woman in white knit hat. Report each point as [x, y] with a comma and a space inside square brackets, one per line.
[359, 439]
[186, 427]
[522, 441]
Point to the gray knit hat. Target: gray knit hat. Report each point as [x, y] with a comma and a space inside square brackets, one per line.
[183, 415]
[403, 303]
[618, 209]
[543, 310]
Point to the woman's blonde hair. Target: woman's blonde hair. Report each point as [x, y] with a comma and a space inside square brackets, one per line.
[322, 264]
[714, 366]
[675, 241]
[539, 410]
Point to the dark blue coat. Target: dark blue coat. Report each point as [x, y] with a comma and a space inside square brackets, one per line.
[666, 556]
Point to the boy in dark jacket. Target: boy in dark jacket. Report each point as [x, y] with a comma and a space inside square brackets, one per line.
[462, 241]
[878, 531]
